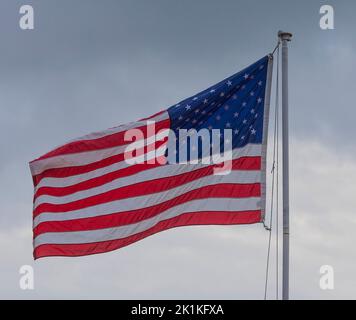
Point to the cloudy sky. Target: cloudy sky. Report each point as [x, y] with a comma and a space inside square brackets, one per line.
[90, 65]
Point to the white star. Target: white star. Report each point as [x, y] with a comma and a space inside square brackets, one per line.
[252, 111]
[244, 104]
[245, 121]
[203, 112]
[177, 105]
[180, 118]
[243, 137]
[188, 107]
[246, 76]
[256, 115]
[259, 100]
[236, 131]
[234, 97]
[206, 101]
[229, 83]
[196, 111]
[236, 114]
[228, 125]
[261, 66]
[252, 93]
[226, 107]
[195, 98]
[253, 131]
[218, 118]
[260, 83]
[222, 94]
[212, 90]
[194, 121]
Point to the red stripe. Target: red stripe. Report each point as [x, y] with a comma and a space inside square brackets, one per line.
[142, 188]
[243, 163]
[187, 219]
[128, 217]
[95, 182]
[75, 170]
[109, 141]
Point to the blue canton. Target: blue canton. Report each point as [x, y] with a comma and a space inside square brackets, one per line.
[236, 103]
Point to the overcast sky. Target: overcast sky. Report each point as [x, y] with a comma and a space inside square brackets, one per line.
[90, 65]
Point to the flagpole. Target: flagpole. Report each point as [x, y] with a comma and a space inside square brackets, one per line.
[285, 37]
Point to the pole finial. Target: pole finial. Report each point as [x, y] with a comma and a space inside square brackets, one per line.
[285, 35]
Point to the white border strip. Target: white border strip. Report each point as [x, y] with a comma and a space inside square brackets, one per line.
[265, 135]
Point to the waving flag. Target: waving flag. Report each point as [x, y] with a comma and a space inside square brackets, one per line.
[109, 189]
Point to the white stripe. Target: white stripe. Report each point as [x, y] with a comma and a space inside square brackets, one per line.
[72, 180]
[123, 127]
[143, 176]
[87, 157]
[147, 200]
[250, 150]
[78, 237]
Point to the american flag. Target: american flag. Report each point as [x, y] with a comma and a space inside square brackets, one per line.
[88, 199]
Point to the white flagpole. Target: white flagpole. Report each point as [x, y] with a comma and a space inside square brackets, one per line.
[285, 37]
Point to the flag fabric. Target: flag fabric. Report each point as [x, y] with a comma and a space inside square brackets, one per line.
[89, 199]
